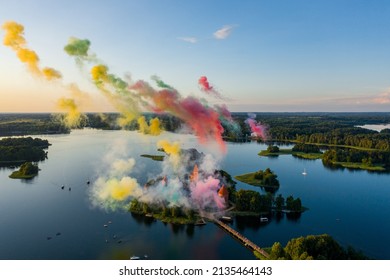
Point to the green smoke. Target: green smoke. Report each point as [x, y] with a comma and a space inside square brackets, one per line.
[77, 47]
[160, 83]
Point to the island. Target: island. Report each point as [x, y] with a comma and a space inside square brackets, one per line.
[153, 157]
[300, 150]
[19, 150]
[27, 170]
[311, 247]
[260, 178]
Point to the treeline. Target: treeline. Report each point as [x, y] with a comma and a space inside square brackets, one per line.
[289, 204]
[368, 158]
[23, 149]
[314, 247]
[161, 210]
[252, 201]
[305, 148]
[316, 128]
[320, 128]
[30, 124]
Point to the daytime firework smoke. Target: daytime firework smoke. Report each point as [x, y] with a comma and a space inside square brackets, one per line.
[257, 129]
[207, 88]
[14, 38]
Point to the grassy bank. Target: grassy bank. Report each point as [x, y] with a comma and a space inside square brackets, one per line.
[249, 178]
[358, 165]
[282, 152]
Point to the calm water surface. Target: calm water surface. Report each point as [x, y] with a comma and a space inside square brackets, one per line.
[351, 206]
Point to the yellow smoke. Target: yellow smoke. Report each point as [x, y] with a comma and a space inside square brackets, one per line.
[30, 58]
[173, 150]
[143, 125]
[99, 73]
[73, 115]
[51, 74]
[71, 106]
[152, 129]
[117, 190]
[14, 38]
[14, 35]
[155, 128]
[123, 189]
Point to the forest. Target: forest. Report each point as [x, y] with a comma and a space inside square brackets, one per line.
[23, 149]
[314, 247]
[340, 129]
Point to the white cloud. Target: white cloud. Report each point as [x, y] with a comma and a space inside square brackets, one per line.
[224, 32]
[191, 40]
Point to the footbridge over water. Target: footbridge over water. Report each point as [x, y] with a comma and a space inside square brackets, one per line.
[245, 241]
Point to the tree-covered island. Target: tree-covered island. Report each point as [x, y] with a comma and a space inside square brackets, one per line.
[300, 150]
[267, 179]
[27, 170]
[20, 150]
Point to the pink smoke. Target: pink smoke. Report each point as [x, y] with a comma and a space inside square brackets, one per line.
[204, 84]
[205, 193]
[207, 88]
[257, 129]
[203, 120]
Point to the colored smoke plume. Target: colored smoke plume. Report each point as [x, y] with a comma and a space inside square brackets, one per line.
[207, 88]
[257, 129]
[131, 99]
[173, 150]
[202, 119]
[14, 38]
[71, 106]
[114, 186]
[79, 49]
[204, 193]
[160, 83]
[153, 129]
[195, 188]
[204, 83]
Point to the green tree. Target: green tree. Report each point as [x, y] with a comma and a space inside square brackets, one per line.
[279, 202]
[277, 252]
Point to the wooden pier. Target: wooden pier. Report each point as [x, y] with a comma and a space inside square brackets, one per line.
[245, 241]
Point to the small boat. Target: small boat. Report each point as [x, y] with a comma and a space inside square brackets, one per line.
[135, 258]
[304, 172]
[263, 219]
[226, 218]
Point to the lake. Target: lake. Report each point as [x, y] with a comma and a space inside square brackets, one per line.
[39, 220]
[376, 127]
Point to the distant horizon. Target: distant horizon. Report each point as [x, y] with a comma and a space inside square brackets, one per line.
[233, 112]
[289, 56]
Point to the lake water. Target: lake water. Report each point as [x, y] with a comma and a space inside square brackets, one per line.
[376, 127]
[352, 206]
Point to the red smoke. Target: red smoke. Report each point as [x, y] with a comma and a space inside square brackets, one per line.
[204, 84]
[257, 129]
[202, 119]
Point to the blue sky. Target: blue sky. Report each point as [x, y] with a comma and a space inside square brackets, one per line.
[275, 55]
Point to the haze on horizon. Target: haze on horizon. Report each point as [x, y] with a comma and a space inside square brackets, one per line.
[263, 56]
